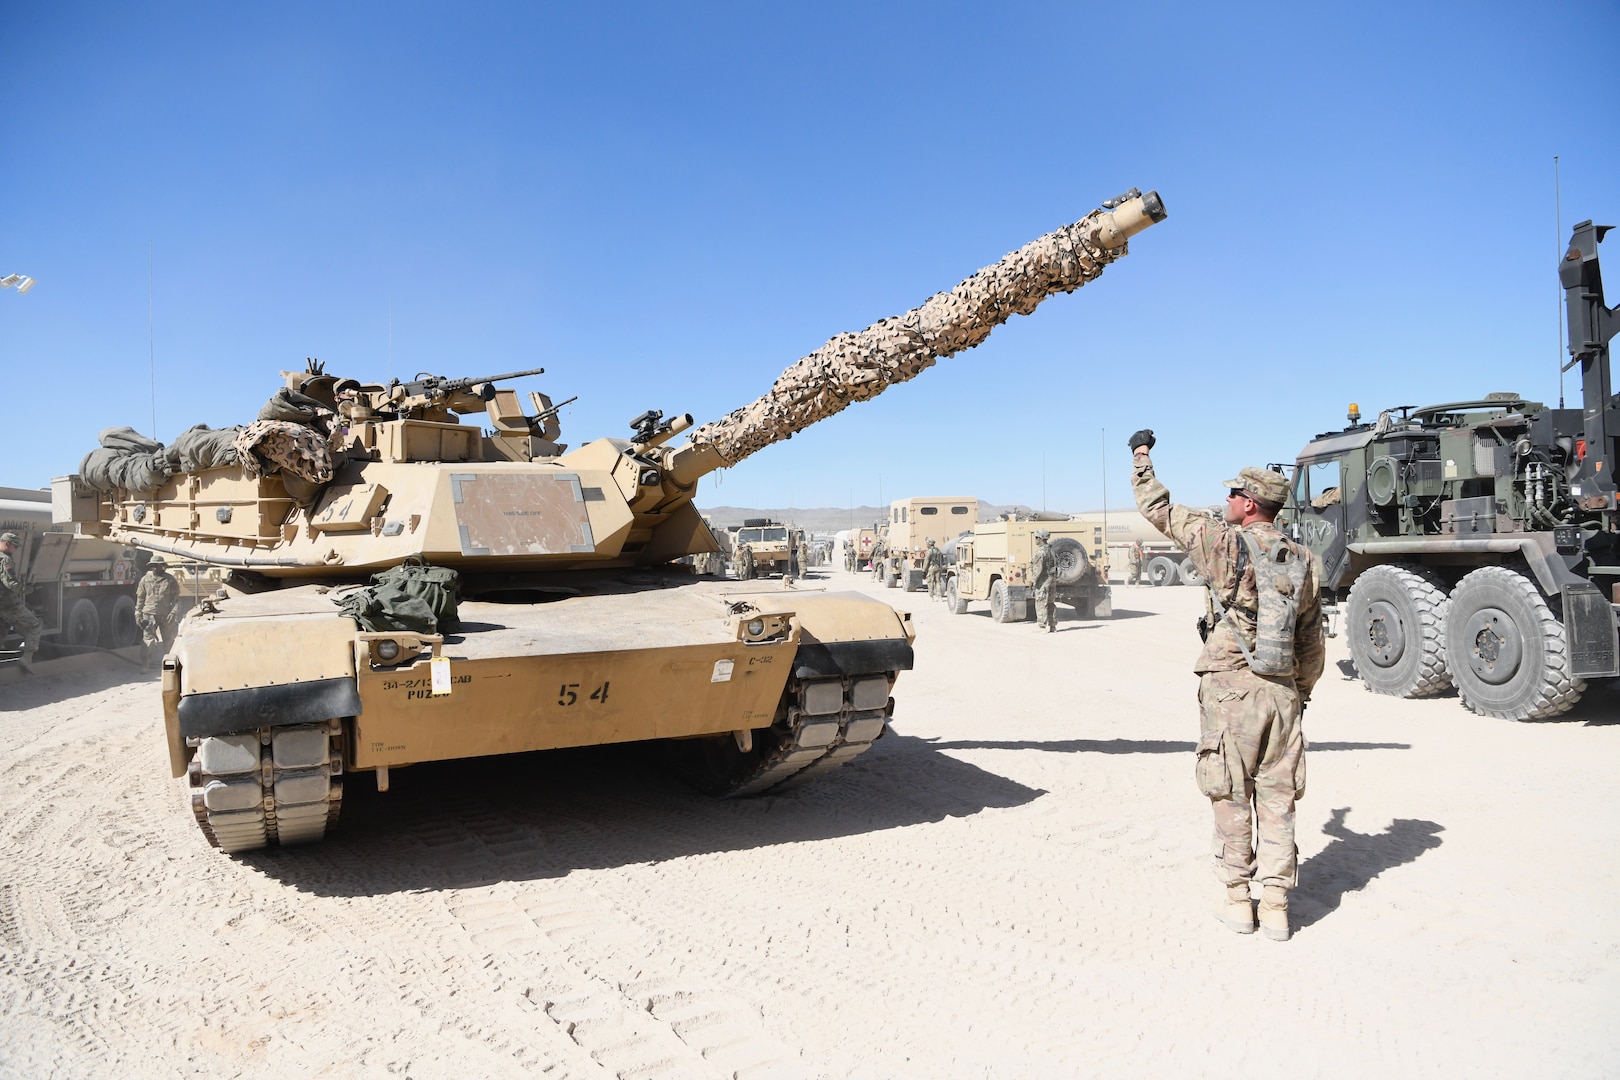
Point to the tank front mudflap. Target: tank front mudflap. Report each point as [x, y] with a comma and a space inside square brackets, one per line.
[823, 660]
[222, 711]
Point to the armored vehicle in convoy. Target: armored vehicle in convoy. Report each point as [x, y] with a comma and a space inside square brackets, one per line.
[575, 627]
[768, 542]
[1473, 544]
[914, 522]
[81, 587]
[991, 562]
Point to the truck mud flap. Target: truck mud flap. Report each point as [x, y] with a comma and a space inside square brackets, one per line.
[818, 660]
[225, 711]
[1589, 621]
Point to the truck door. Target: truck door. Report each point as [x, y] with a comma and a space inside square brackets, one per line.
[1318, 516]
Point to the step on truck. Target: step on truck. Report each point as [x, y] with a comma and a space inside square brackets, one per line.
[1473, 544]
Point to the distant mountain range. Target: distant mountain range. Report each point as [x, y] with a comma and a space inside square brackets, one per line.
[831, 519]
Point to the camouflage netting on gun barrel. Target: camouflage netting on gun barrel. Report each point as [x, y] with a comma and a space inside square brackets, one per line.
[855, 367]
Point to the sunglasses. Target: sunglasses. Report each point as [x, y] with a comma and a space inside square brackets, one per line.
[1238, 493]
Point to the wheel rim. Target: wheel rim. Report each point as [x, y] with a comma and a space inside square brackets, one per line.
[1386, 636]
[1495, 647]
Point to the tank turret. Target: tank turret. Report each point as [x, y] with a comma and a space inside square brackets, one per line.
[408, 478]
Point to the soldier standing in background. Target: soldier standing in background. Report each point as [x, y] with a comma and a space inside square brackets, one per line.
[157, 608]
[804, 558]
[1043, 576]
[880, 551]
[13, 600]
[1133, 563]
[934, 570]
[745, 563]
[1251, 744]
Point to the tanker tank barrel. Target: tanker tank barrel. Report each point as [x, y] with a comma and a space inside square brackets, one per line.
[858, 366]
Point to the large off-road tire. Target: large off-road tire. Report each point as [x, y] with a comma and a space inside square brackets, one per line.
[1161, 570]
[82, 627]
[1188, 574]
[1507, 649]
[120, 628]
[998, 602]
[1069, 559]
[1395, 624]
[891, 578]
[953, 602]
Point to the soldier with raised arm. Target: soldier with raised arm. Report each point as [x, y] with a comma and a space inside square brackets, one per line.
[1261, 658]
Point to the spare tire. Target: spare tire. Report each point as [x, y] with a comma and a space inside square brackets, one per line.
[1070, 560]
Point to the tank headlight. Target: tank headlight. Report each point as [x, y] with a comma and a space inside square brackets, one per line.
[387, 650]
[756, 627]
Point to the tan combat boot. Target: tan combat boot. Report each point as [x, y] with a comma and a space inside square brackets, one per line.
[1274, 913]
[1235, 910]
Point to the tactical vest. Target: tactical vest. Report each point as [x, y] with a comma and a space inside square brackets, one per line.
[1279, 575]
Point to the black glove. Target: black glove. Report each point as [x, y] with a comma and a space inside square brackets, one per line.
[1143, 438]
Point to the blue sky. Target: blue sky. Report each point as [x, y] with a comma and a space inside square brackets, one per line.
[664, 205]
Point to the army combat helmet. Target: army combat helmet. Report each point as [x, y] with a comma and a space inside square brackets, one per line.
[1043, 534]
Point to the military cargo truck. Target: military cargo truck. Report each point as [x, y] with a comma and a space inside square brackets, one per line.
[82, 588]
[768, 541]
[991, 562]
[1473, 543]
[574, 627]
[914, 522]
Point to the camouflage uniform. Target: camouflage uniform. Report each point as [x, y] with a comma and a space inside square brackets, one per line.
[934, 571]
[13, 603]
[1133, 564]
[157, 607]
[1251, 746]
[745, 563]
[880, 552]
[1043, 576]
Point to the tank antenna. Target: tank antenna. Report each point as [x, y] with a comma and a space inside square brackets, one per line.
[1558, 213]
[1104, 545]
[151, 348]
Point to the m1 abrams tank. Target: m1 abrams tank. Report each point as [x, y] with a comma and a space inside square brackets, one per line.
[577, 629]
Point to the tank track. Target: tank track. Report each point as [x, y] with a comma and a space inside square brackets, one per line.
[821, 724]
[267, 786]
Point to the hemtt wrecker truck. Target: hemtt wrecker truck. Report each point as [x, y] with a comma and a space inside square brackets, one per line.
[1474, 543]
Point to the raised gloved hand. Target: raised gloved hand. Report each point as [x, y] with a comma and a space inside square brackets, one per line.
[1143, 438]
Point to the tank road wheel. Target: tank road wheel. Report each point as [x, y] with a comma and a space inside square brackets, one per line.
[122, 629]
[1189, 575]
[819, 725]
[82, 627]
[1395, 620]
[1161, 570]
[282, 785]
[1509, 656]
[954, 602]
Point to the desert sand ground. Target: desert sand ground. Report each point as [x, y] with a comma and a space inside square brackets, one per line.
[1013, 883]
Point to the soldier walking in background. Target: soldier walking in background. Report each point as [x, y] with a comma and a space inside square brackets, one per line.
[1261, 658]
[880, 552]
[1133, 563]
[934, 570]
[1043, 575]
[157, 609]
[745, 563]
[14, 611]
[804, 558]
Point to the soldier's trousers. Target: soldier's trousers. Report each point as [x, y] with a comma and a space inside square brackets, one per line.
[160, 632]
[15, 614]
[936, 583]
[1251, 750]
[1046, 607]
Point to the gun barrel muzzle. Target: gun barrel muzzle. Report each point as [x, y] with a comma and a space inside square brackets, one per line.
[1113, 227]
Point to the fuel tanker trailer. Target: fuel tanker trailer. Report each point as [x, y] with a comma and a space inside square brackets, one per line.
[575, 624]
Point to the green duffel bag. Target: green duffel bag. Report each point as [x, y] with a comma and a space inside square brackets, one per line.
[412, 596]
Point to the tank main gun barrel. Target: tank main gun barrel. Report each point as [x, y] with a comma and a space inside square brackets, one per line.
[856, 366]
